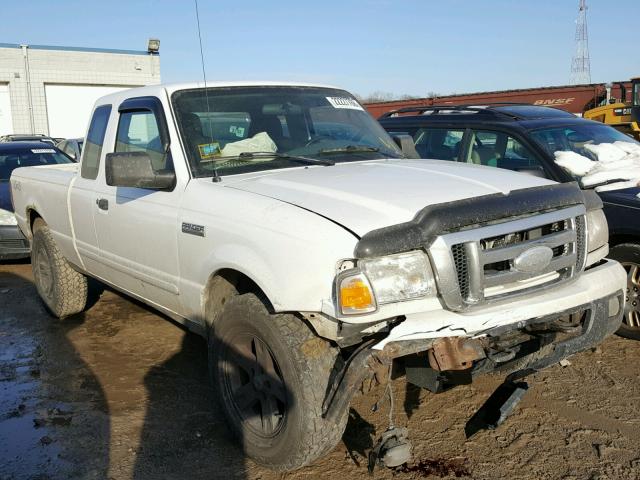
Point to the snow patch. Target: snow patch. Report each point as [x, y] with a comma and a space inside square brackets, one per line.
[609, 162]
[574, 162]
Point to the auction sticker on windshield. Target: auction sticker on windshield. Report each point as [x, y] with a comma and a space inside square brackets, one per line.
[209, 150]
[344, 102]
[43, 150]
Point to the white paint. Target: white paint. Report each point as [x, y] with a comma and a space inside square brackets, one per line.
[6, 122]
[69, 107]
[372, 194]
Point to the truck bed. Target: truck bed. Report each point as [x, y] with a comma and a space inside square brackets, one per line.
[48, 188]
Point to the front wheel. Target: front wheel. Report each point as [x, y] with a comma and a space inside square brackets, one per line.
[271, 373]
[628, 254]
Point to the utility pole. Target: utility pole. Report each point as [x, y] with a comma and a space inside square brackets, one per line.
[580, 64]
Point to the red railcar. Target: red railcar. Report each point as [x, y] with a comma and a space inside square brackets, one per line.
[572, 98]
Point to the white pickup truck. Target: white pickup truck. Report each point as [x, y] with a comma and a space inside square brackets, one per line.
[283, 224]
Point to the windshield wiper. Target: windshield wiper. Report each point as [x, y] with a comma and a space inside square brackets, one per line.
[284, 156]
[349, 149]
[610, 182]
[250, 155]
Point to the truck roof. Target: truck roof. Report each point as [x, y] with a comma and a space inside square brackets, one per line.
[169, 88]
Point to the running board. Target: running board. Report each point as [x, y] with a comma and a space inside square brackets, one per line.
[497, 407]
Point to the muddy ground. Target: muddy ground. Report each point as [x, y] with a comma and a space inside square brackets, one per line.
[120, 392]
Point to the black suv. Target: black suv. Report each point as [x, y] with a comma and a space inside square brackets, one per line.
[524, 138]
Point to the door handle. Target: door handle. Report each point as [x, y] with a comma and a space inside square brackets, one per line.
[103, 203]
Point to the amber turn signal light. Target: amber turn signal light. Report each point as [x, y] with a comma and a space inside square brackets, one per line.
[355, 295]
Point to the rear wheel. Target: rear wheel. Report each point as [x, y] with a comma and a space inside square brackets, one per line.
[628, 254]
[271, 373]
[63, 289]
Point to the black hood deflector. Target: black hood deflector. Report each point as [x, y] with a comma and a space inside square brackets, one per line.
[435, 220]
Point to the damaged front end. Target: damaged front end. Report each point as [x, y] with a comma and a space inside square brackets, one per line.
[515, 351]
[525, 347]
[519, 283]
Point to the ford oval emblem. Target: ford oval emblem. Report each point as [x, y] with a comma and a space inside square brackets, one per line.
[533, 260]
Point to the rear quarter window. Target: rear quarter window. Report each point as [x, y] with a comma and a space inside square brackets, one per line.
[93, 144]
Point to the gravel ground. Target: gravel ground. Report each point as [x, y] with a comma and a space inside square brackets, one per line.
[121, 392]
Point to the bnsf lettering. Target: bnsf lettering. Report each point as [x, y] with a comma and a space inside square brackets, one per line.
[554, 101]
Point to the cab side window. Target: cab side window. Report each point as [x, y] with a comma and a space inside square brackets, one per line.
[497, 149]
[438, 143]
[138, 132]
[93, 144]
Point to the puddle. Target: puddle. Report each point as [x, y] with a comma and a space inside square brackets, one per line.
[25, 448]
[29, 437]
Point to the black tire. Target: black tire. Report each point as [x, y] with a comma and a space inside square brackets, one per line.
[628, 254]
[293, 384]
[63, 289]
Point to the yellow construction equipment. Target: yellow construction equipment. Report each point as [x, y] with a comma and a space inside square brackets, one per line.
[619, 113]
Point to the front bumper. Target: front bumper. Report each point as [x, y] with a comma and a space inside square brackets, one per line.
[595, 283]
[13, 245]
[602, 318]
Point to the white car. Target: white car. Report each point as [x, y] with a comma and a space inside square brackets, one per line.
[284, 225]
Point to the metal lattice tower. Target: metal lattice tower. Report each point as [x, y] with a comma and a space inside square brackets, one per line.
[580, 64]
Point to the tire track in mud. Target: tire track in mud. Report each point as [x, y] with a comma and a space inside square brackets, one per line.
[585, 418]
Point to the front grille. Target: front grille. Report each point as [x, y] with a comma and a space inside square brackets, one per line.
[488, 263]
[581, 233]
[462, 270]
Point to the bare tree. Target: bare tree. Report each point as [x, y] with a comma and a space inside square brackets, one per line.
[382, 96]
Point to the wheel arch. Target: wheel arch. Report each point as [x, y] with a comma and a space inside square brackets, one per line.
[32, 215]
[222, 285]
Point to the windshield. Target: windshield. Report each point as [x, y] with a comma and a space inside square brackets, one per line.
[636, 93]
[597, 156]
[13, 158]
[290, 122]
[576, 138]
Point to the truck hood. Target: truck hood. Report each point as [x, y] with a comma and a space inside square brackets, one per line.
[364, 196]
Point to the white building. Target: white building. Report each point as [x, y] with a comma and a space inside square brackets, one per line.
[51, 90]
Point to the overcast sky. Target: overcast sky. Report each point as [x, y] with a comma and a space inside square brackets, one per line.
[404, 47]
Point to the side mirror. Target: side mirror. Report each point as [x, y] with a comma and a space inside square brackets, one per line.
[405, 142]
[134, 169]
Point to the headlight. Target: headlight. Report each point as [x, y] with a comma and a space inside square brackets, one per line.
[7, 218]
[597, 230]
[393, 278]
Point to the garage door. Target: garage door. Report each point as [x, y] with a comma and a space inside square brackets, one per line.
[6, 124]
[69, 107]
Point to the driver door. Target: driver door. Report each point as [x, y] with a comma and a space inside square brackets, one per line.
[137, 228]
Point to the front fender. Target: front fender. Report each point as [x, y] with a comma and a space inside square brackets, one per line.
[289, 252]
